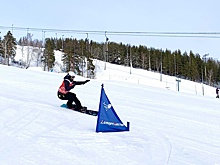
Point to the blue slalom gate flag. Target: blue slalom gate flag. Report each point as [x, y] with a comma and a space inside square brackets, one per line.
[108, 120]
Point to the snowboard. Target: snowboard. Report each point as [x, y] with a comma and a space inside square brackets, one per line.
[84, 110]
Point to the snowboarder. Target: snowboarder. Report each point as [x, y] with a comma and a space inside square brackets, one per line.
[64, 91]
[217, 93]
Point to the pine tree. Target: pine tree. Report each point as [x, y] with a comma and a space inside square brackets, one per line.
[212, 70]
[8, 47]
[69, 55]
[48, 57]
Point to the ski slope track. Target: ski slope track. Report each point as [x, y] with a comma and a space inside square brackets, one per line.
[166, 126]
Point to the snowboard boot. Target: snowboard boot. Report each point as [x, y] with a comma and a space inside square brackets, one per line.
[83, 109]
[71, 107]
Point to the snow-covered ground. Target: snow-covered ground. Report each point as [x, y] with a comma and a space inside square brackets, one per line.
[166, 126]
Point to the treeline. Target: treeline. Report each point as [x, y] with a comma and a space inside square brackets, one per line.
[183, 65]
[78, 56]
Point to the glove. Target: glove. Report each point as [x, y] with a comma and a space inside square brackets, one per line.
[87, 81]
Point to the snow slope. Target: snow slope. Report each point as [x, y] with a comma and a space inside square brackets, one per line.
[166, 126]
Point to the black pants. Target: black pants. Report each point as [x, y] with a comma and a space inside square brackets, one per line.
[71, 97]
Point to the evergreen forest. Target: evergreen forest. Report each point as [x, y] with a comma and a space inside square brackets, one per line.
[78, 53]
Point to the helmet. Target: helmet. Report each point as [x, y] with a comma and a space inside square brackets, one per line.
[71, 73]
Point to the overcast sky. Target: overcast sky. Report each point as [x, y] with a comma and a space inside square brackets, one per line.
[119, 16]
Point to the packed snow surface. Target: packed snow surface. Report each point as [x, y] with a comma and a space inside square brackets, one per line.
[166, 126]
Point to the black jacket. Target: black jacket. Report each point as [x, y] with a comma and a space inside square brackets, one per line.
[69, 84]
